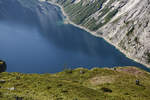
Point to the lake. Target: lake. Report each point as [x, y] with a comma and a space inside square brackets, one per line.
[34, 39]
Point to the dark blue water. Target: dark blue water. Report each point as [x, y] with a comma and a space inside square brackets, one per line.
[35, 40]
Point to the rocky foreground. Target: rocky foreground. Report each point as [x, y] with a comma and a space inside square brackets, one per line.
[79, 84]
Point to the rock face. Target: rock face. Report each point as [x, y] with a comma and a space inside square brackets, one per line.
[125, 23]
[130, 29]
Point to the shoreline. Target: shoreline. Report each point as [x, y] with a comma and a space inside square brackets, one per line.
[68, 21]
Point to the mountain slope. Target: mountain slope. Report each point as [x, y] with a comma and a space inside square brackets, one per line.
[124, 23]
[77, 84]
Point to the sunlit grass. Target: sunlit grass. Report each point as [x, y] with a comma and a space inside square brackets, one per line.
[77, 84]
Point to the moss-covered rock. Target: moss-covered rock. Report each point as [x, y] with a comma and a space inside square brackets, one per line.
[3, 66]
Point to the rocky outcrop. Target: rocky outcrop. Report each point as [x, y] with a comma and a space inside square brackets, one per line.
[3, 66]
[130, 29]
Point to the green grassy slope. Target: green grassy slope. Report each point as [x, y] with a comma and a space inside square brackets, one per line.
[78, 84]
[91, 15]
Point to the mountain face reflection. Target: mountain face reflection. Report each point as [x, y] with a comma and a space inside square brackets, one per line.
[33, 39]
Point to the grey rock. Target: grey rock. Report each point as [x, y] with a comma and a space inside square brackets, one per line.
[2, 81]
[135, 43]
[128, 29]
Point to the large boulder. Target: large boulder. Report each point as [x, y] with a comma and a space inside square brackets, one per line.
[3, 66]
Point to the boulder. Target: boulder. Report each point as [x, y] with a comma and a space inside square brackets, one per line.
[3, 66]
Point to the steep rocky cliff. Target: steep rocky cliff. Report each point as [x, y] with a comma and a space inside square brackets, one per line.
[125, 23]
[130, 29]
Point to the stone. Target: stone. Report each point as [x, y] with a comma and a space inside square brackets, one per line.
[82, 72]
[3, 66]
[2, 81]
[11, 89]
[106, 90]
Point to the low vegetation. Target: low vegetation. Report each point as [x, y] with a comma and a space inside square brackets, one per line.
[88, 13]
[78, 84]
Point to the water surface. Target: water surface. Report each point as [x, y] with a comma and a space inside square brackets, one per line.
[34, 40]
